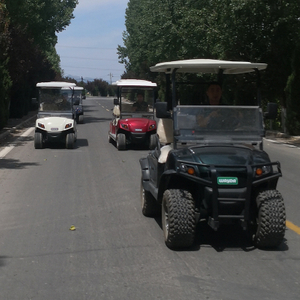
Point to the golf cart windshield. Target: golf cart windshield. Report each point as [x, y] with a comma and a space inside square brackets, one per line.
[77, 97]
[55, 99]
[218, 124]
[137, 102]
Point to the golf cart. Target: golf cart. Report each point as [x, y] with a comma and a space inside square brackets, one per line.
[77, 104]
[55, 120]
[133, 114]
[215, 171]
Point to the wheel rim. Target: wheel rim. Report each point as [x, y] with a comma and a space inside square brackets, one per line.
[165, 219]
[143, 197]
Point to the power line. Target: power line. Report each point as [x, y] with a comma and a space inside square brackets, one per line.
[88, 58]
[62, 46]
[92, 68]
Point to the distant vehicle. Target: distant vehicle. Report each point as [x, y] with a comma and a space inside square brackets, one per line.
[77, 104]
[209, 164]
[133, 115]
[55, 120]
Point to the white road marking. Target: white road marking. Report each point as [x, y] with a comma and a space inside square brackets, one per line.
[7, 149]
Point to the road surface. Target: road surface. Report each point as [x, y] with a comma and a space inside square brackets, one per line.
[113, 251]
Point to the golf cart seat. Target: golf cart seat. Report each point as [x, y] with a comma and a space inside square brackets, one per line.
[165, 136]
[165, 131]
[116, 111]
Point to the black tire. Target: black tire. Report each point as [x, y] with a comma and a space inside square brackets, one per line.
[110, 140]
[80, 119]
[38, 140]
[152, 141]
[121, 141]
[270, 221]
[150, 207]
[178, 218]
[70, 140]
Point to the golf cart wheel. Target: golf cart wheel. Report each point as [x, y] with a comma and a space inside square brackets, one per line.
[70, 140]
[80, 119]
[152, 141]
[121, 141]
[110, 140]
[38, 140]
[270, 220]
[150, 208]
[178, 218]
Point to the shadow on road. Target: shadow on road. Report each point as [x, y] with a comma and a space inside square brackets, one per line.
[227, 238]
[2, 261]
[15, 164]
[88, 120]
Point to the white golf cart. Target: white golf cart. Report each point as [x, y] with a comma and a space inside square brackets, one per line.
[55, 120]
[77, 104]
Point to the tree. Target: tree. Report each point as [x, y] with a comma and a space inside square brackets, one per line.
[33, 27]
[259, 31]
[5, 81]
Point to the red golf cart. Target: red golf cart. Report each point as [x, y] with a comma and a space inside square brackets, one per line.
[133, 115]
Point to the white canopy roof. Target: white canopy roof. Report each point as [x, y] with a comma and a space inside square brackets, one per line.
[55, 84]
[208, 66]
[134, 83]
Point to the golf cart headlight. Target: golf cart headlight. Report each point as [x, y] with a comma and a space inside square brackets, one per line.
[69, 125]
[263, 170]
[187, 169]
[41, 125]
[125, 126]
[152, 127]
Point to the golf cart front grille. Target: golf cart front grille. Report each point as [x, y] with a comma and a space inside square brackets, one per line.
[230, 202]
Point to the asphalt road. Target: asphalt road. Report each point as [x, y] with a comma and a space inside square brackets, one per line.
[115, 252]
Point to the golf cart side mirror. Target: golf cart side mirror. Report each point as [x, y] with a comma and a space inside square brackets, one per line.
[116, 101]
[271, 112]
[162, 110]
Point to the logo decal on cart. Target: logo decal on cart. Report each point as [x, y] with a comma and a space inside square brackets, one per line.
[228, 181]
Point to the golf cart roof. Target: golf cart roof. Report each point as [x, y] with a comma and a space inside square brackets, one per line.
[55, 84]
[134, 83]
[208, 66]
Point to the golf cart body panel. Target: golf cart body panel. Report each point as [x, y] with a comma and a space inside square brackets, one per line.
[77, 104]
[55, 118]
[215, 168]
[133, 123]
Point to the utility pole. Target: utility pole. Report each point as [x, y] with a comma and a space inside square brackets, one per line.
[110, 76]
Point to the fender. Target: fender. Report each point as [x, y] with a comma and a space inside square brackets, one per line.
[145, 173]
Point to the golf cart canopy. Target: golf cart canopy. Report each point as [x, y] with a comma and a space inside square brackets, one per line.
[55, 85]
[134, 83]
[208, 66]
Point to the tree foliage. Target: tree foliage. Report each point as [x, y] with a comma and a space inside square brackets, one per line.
[5, 81]
[259, 31]
[32, 29]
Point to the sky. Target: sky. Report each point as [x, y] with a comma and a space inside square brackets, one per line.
[88, 46]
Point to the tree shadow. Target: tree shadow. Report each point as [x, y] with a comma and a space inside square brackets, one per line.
[15, 164]
[61, 145]
[3, 261]
[88, 119]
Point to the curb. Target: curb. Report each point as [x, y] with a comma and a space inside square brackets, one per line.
[277, 134]
[13, 129]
